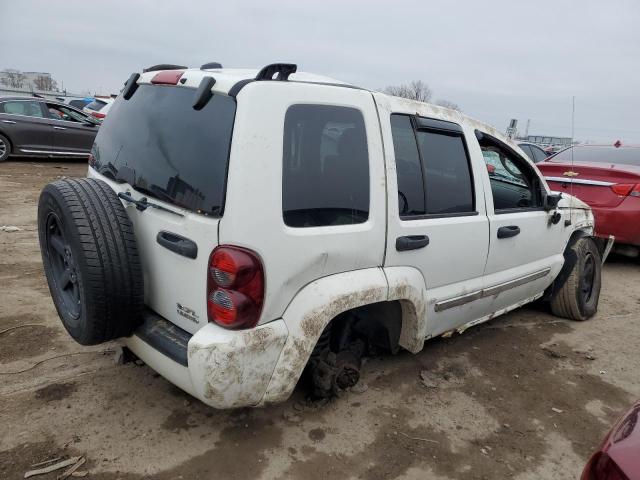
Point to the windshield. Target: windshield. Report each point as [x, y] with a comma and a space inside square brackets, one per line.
[626, 156]
[164, 148]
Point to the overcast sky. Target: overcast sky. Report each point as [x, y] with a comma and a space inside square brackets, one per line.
[496, 59]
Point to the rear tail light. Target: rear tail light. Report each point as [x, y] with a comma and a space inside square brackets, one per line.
[92, 160]
[602, 467]
[626, 189]
[235, 287]
[98, 115]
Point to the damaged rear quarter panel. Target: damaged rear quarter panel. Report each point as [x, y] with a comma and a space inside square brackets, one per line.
[310, 312]
[232, 368]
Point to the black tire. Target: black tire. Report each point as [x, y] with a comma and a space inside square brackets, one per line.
[5, 148]
[578, 298]
[90, 259]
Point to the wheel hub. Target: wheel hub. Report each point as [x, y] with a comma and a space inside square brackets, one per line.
[65, 276]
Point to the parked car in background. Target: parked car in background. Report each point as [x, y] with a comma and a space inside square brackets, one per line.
[76, 102]
[617, 458]
[99, 107]
[607, 177]
[533, 151]
[31, 126]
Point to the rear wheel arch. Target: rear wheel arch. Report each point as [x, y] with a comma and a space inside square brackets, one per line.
[397, 307]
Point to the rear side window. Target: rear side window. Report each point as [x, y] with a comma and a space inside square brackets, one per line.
[325, 175]
[411, 193]
[434, 164]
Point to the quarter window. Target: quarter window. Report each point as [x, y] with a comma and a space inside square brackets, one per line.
[325, 166]
[432, 164]
[22, 107]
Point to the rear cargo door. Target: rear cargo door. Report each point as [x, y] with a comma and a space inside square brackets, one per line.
[156, 146]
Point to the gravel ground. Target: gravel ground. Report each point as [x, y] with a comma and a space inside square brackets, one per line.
[525, 396]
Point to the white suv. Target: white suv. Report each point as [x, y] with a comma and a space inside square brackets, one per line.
[238, 227]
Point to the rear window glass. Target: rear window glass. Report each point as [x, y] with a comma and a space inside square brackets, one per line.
[626, 156]
[78, 103]
[325, 166]
[96, 105]
[164, 148]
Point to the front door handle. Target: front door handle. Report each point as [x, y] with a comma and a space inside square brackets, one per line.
[11, 122]
[59, 128]
[411, 242]
[507, 232]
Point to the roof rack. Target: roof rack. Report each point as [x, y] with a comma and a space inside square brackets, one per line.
[283, 70]
[210, 65]
[163, 66]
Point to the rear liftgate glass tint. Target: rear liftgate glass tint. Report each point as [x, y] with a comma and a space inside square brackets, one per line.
[177, 154]
[325, 166]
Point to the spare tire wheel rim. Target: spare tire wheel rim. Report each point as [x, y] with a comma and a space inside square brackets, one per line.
[588, 278]
[63, 269]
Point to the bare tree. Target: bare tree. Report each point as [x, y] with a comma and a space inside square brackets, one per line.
[13, 78]
[45, 83]
[448, 104]
[416, 90]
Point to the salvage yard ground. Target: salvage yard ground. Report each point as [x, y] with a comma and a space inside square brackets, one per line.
[526, 396]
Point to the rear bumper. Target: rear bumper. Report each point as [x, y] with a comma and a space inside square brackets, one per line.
[623, 221]
[223, 368]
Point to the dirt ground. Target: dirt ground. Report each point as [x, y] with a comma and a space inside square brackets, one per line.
[526, 396]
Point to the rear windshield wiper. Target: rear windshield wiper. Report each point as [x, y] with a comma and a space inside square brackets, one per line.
[143, 203]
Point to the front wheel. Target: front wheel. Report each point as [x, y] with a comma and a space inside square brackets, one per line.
[578, 297]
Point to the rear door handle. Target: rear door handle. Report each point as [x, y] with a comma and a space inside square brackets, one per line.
[411, 242]
[507, 232]
[11, 122]
[178, 244]
[59, 128]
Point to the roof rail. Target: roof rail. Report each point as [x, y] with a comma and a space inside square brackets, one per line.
[163, 66]
[283, 70]
[209, 65]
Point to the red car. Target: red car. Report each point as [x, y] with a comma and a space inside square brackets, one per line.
[618, 458]
[608, 179]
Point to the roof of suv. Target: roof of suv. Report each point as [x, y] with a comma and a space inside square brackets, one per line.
[226, 78]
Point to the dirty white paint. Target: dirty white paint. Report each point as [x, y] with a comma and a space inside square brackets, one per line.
[310, 312]
[231, 368]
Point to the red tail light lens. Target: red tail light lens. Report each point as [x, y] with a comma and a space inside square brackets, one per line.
[98, 115]
[626, 189]
[235, 287]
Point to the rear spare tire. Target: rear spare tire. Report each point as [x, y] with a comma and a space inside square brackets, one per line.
[577, 298]
[90, 259]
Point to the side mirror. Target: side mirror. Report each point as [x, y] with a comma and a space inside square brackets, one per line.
[551, 201]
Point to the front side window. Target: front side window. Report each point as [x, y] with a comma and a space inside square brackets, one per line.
[325, 174]
[432, 165]
[22, 107]
[514, 184]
